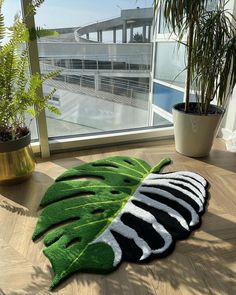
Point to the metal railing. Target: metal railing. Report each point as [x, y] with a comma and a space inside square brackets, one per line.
[116, 90]
[98, 63]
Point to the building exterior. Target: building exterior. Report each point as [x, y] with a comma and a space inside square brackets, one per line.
[102, 86]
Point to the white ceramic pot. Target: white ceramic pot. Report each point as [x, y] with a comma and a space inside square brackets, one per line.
[194, 134]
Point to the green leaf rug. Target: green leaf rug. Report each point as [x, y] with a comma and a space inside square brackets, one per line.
[114, 209]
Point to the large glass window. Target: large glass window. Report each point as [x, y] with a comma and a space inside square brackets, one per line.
[104, 54]
[168, 73]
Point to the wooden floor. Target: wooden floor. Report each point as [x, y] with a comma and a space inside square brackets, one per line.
[203, 264]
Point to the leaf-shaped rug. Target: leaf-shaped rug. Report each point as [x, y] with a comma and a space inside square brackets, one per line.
[127, 211]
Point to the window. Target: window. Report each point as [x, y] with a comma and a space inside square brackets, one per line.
[170, 63]
[168, 75]
[104, 54]
[105, 58]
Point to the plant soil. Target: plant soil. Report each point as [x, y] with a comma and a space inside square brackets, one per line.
[6, 133]
[194, 109]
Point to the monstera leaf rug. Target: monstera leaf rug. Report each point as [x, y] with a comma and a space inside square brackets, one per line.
[118, 208]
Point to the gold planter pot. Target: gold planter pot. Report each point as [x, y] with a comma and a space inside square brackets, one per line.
[16, 160]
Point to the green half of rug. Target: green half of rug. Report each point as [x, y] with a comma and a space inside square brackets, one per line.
[118, 208]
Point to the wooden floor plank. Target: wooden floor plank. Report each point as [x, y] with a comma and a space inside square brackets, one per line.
[203, 264]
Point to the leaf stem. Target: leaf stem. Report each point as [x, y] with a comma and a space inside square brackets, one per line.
[160, 165]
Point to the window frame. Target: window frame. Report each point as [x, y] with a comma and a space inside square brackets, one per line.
[45, 145]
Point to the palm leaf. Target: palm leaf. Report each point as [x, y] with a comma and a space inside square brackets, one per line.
[127, 211]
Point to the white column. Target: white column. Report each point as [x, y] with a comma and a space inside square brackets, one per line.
[114, 35]
[67, 63]
[100, 36]
[131, 33]
[124, 33]
[149, 33]
[144, 33]
[97, 80]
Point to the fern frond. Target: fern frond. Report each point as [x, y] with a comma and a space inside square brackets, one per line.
[36, 33]
[32, 7]
[32, 112]
[22, 68]
[51, 75]
[19, 91]
[53, 109]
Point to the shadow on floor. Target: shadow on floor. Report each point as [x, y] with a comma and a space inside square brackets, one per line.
[71, 159]
[202, 266]
[197, 266]
[201, 273]
[122, 282]
[16, 210]
[68, 162]
[205, 262]
[39, 284]
[27, 194]
[220, 159]
[221, 228]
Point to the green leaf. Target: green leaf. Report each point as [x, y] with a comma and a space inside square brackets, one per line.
[35, 33]
[31, 112]
[82, 219]
[120, 176]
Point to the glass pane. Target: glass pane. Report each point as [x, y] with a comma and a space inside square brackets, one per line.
[165, 97]
[33, 129]
[170, 73]
[212, 4]
[163, 29]
[170, 63]
[104, 80]
[158, 120]
[10, 9]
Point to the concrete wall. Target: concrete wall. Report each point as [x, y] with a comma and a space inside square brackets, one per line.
[138, 13]
[119, 52]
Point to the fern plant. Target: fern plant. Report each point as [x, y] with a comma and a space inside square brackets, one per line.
[19, 91]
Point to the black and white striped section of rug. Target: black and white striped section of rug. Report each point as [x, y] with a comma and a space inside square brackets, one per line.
[166, 207]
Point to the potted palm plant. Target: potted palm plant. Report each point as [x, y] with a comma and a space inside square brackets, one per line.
[210, 69]
[19, 98]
